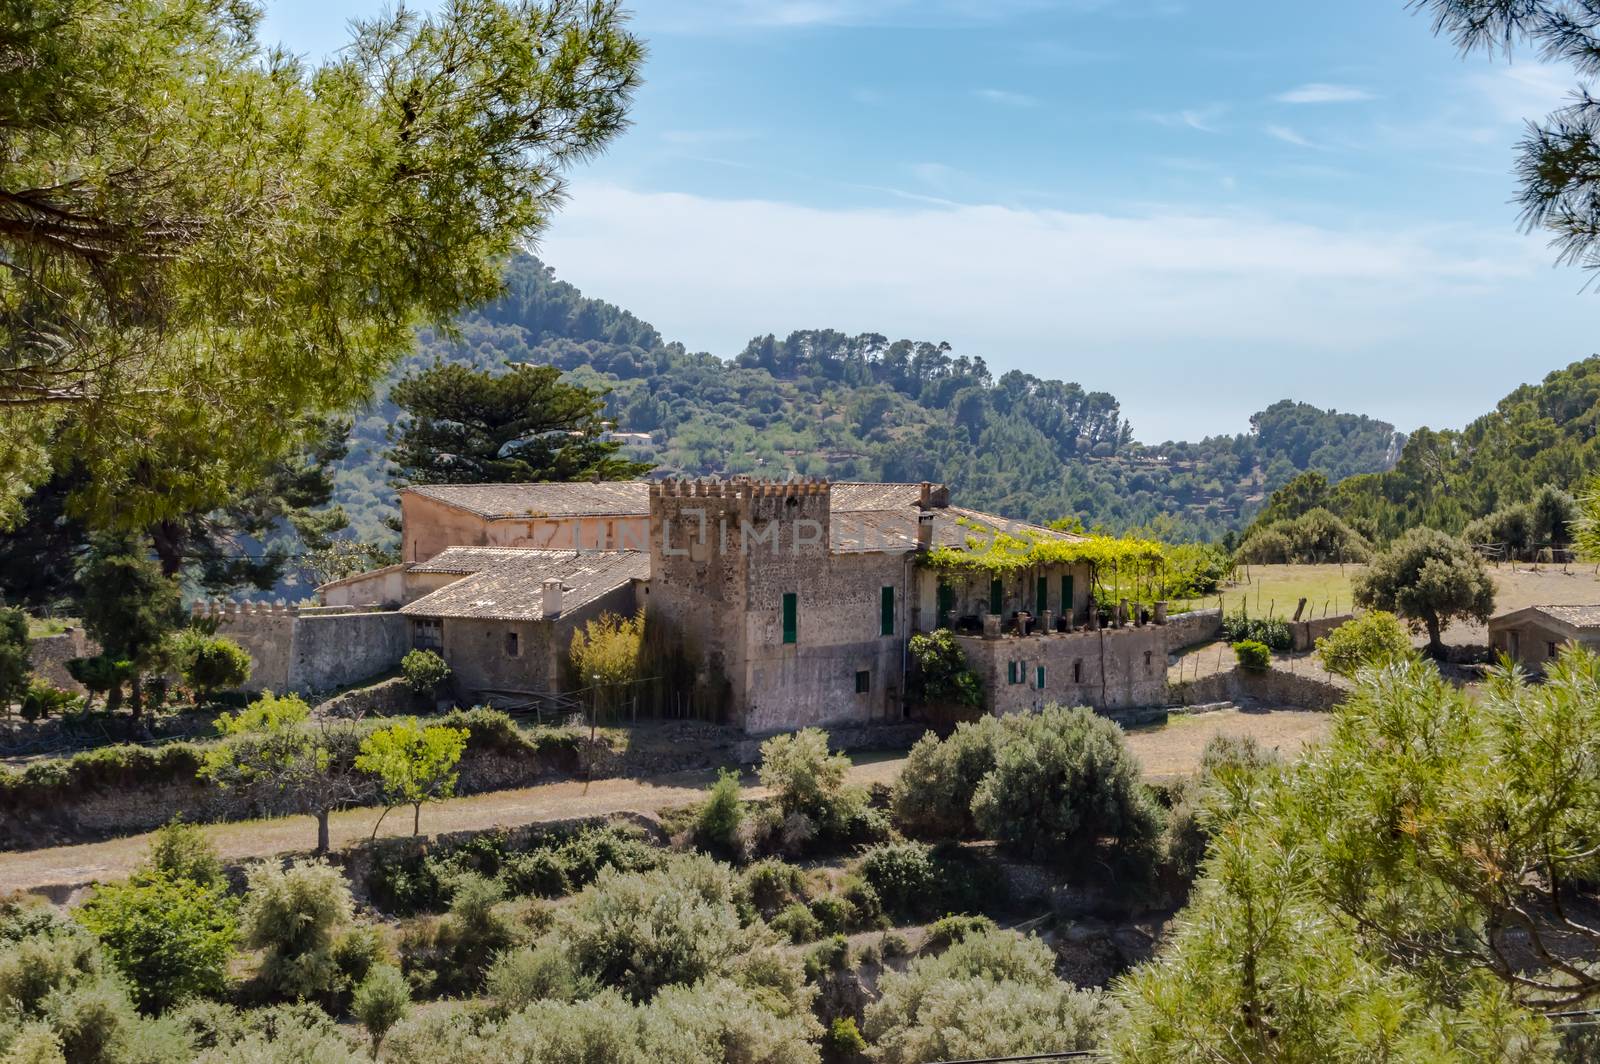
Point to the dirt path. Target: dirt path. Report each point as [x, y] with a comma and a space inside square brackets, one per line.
[70, 866]
[1169, 750]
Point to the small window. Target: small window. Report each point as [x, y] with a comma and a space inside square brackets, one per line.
[1077, 672]
[1038, 677]
[886, 612]
[863, 682]
[791, 617]
[1550, 650]
[512, 649]
[1147, 661]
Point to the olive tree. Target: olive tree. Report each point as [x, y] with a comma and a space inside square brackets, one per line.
[1430, 579]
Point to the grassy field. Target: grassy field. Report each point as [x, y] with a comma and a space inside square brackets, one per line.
[1274, 590]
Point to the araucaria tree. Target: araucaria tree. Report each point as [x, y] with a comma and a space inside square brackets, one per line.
[1430, 579]
[467, 426]
[209, 243]
[275, 757]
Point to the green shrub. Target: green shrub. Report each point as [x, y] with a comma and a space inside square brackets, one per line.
[43, 698]
[638, 932]
[993, 993]
[172, 938]
[1253, 656]
[208, 663]
[843, 1042]
[381, 1000]
[948, 930]
[903, 876]
[797, 924]
[716, 825]
[542, 972]
[1376, 638]
[424, 671]
[773, 885]
[933, 795]
[802, 775]
[103, 675]
[1064, 782]
[181, 851]
[830, 955]
[294, 915]
[939, 671]
[1238, 627]
[453, 954]
[834, 914]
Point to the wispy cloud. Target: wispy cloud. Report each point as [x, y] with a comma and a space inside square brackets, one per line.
[1006, 98]
[1204, 119]
[1322, 92]
[703, 137]
[1520, 91]
[1289, 136]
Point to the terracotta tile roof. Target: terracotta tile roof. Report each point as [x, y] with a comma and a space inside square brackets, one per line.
[512, 588]
[1576, 616]
[609, 498]
[466, 560]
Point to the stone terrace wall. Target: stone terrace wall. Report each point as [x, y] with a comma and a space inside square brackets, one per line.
[49, 656]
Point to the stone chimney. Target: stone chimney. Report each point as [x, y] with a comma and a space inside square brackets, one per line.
[925, 531]
[552, 599]
[925, 495]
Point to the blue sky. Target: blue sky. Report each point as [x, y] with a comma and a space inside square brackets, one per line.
[1199, 207]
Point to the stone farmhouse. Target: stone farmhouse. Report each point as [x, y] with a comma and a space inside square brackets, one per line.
[789, 603]
[1533, 637]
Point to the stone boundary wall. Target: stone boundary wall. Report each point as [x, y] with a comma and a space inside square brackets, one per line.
[1196, 626]
[49, 654]
[310, 650]
[1275, 687]
[1306, 633]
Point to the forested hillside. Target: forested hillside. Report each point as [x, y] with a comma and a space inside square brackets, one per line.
[1541, 436]
[864, 407]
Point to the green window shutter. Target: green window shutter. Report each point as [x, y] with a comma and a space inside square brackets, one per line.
[1041, 596]
[1011, 672]
[791, 617]
[996, 596]
[886, 612]
[1039, 677]
[1066, 594]
[947, 604]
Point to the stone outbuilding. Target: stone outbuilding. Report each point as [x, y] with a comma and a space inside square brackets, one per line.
[503, 617]
[1533, 637]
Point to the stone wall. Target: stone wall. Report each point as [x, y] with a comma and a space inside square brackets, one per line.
[333, 650]
[1111, 668]
[1274, 688]
[312, 650]
[49, 656]
[1195, 626]
[1307, 632]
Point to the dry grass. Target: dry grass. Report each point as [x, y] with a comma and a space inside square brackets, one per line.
[1173, 749]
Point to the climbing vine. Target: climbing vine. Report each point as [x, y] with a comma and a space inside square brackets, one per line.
[1002, 552]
